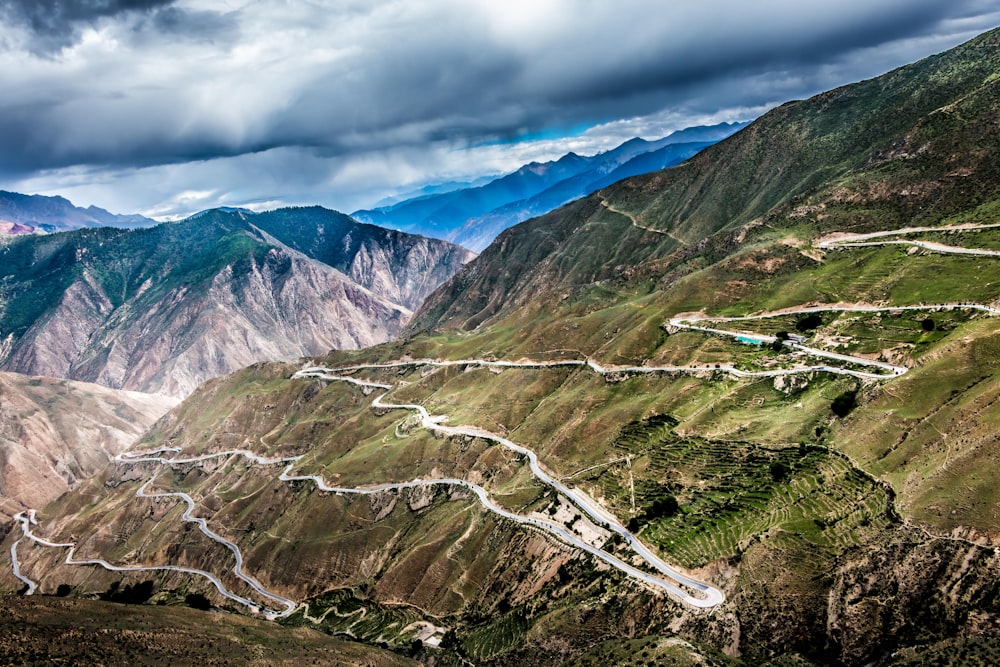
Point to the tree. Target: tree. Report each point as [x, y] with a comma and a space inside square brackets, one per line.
[927, 324]
[450, 640]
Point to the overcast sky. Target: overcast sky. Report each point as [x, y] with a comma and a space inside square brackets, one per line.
[166, 107]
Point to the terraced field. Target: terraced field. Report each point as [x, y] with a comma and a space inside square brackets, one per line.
[729, 492]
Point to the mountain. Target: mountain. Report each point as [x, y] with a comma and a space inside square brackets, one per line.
[472, 217]
[434, 189]
[839, 161]
[56, 433]
[775, 366]
[438, 215]
[478, 232]
[161, 310]
[25, 214]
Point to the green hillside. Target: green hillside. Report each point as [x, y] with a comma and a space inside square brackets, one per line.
[824, 461]
[917, 146]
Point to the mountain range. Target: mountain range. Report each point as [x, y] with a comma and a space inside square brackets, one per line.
[473, 216]
[128, 309]
[26, 214]
[737, 411]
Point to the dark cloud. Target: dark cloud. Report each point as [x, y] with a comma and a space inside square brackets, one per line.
[187, 25]
[345, 81]
[55, 23]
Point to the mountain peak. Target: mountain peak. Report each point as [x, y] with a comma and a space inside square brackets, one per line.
[42, 213]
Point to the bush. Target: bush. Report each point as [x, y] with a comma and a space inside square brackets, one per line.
[137, 594]
[663, 507]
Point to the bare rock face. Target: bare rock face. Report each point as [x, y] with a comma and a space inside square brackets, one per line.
[405, 273]
[282, 308]
[143, 311]
[54, 433]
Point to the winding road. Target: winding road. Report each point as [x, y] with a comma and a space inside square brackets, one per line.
[687, 590]
[708, 596]
[840, 240]
[28, 519]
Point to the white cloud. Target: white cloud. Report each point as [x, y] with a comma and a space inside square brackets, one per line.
[343, 101]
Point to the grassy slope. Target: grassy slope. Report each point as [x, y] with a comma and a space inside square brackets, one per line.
[586, 281]
[44, 630]
[125, 264]
[777, 499]
[917, 145]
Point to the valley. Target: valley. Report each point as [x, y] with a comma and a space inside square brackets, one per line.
[575, 498]
[738, 411]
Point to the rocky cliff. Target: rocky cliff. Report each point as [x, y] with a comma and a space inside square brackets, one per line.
[164, 309]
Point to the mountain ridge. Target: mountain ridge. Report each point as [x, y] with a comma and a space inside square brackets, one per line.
[743, 181]
[26, 214]
[123, 308]
[473, 216]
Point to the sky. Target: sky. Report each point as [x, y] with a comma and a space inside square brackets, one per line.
[168, 107]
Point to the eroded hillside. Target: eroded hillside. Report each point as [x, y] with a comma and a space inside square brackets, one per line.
[56, 433]
[161, 310]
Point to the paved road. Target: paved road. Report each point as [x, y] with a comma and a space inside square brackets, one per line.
[687, 322]
[926, 245]
[318, 371]
[860, 240]
[289, 605]
[27, 519]
[32, 586]
[708, 595]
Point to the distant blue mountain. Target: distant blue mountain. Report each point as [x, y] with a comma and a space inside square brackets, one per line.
[21, 213]
[472, 217]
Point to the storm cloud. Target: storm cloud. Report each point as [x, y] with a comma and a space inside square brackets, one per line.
[334, 102]
[54, 24]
